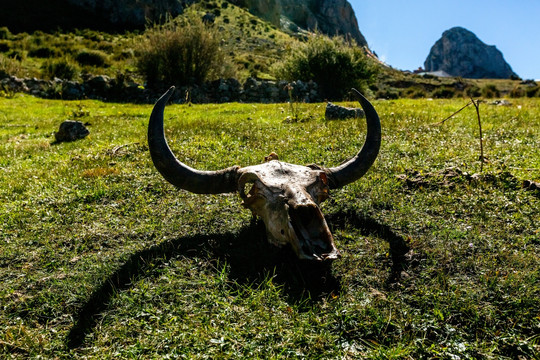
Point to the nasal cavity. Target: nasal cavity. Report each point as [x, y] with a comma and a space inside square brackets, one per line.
[310, 227]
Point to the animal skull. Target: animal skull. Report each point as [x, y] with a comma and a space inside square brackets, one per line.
[285, 196]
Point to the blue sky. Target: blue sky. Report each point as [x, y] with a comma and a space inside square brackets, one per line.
[402, 32]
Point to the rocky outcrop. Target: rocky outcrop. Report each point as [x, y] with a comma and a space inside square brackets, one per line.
[460, 53]
[337, 17]
[331, 17]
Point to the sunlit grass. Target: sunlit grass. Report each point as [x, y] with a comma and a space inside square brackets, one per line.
[89, 231]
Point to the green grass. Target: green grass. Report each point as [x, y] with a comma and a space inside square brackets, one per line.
[252, 44]
[101, 258]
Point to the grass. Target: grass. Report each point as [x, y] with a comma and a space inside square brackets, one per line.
[252, 44]
[101, 258]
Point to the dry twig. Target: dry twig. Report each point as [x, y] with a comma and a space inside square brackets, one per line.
[477, 107]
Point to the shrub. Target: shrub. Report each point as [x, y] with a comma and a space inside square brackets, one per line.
[443, 92]
[44, 52]
[5, 46]
[415, 93]
[18, 54]
[473, 91]
[9, 66]
[181, 53]
[332, 63]
[91, 58]
[490, 91]
[388, 94]
[517, 92]
[60, 68]
[5, 34]
[533, 91]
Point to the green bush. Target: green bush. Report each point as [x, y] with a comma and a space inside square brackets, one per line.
[533, 91]
[60, 68]
[5, 34]
[91, 58]
[473, 91]
[9, 66]
[182, 53]
[517, 92]
[443, 92]
[415, 93]
[5, 46]
[333, 63]
[490, 91]
[44, 52]
[388, 94]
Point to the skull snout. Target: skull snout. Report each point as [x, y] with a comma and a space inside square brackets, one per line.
[287, 197]
[314, 240]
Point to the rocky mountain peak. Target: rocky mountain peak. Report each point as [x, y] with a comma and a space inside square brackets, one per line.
[460, 53]
[331, 17]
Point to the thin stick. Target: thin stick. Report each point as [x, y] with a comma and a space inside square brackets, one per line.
[477, 106]
[448, 118]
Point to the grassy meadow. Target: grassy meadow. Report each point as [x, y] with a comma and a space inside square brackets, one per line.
[100, 258]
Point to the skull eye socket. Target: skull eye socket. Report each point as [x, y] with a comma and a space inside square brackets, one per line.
[319, 190]
[247, 179]
[248, 190]
[323, 177]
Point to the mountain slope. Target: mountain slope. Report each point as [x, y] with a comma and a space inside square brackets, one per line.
[332, 17]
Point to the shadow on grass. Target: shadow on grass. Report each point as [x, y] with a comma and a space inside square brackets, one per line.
[250, 258]
[371, 227]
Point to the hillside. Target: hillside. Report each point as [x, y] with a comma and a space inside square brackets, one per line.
[328, 16]
[253, 45]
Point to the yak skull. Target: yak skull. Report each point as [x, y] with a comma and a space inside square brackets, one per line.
[285, 196]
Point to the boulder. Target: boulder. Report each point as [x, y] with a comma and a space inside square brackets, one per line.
[336, 112]
[71, 130]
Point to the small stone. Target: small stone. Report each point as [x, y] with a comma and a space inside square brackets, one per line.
[336, 112]
[71, 130]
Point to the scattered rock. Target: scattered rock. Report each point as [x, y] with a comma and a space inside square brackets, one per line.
[99, 83]
[266, 91]
[102, 87]
[71, 130]
[336, 112]
[72, 90]
[14, 84]
[502, 102]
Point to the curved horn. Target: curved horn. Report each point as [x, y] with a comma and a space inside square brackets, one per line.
[177, 173]
[356, 167]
